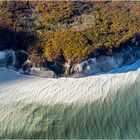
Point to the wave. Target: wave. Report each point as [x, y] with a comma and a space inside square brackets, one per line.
[100, 106]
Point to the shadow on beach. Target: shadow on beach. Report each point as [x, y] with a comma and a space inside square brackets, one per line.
[7, 75]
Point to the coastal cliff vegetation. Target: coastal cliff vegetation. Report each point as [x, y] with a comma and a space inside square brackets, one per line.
[68, 31]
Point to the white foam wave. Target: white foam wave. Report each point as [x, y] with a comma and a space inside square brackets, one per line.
[15, 87]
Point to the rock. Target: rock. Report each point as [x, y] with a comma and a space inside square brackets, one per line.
[28, 67]
[42, 72]
[2, 55]
[83, 22]
[67, 68]
[86, 68]
[2, 58]
[8, 58]
[137, 52]
[104, 63]
[92, 66]
[21, 57]
[35, 61]
[12, 59]
[57, 68]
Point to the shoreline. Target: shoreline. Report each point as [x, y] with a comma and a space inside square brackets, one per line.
[52, 88]
[19, 60]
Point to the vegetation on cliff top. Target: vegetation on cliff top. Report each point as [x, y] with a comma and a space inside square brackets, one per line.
[69, 31]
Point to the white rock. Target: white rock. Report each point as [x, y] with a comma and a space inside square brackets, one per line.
[7, 57]
[2, 55]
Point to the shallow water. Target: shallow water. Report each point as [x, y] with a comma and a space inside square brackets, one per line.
[111, 108]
